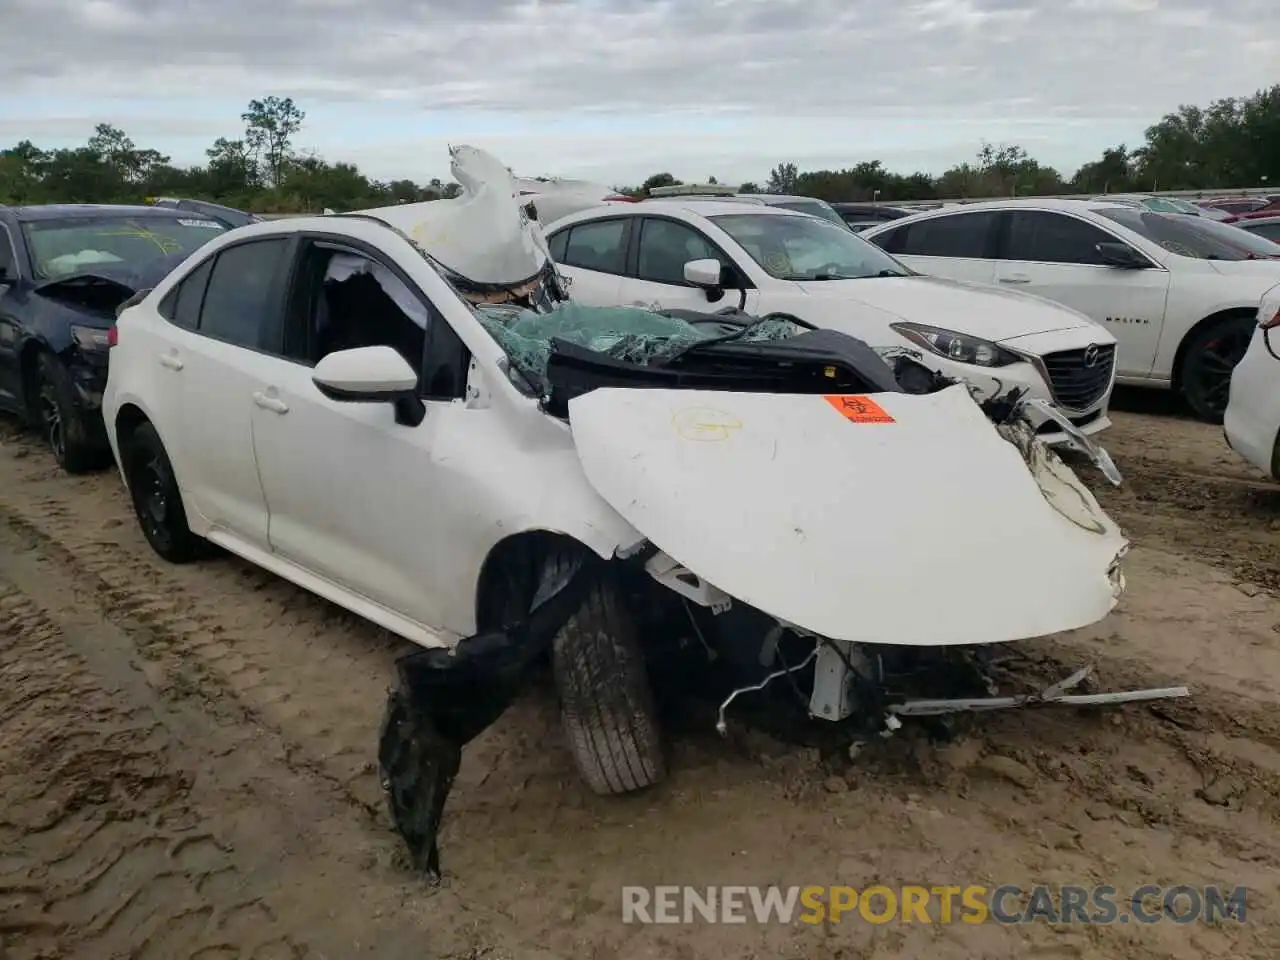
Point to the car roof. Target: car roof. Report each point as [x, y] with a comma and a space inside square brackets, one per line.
[716, 207]
[1257, 221]
[73, 211]
[1021, 203]
[774, 198]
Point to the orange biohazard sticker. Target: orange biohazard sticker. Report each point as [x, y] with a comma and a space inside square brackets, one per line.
[859, 409]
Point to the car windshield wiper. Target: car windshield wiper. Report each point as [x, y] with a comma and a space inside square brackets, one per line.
[859, 276]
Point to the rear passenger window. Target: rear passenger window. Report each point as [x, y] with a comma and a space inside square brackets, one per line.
[243, 292]
[184, 308]
[1042, 237]
[598, 246]
[958, 235]
[890, 240]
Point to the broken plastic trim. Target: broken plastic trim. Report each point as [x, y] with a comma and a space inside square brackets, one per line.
[1053, 694]
[446, 697]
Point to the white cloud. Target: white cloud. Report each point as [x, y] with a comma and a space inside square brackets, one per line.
[818, 78]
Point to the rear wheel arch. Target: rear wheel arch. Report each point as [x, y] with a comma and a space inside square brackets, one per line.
[128, 419]
[1181, 354]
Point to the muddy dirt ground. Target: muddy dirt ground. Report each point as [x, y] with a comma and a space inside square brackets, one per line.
[186, 764]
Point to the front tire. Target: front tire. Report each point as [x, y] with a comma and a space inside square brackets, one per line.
[157, 502]
[59, 419]
[1210, 358]
[607, 705]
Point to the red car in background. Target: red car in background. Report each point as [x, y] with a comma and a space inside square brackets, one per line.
[1242, 208]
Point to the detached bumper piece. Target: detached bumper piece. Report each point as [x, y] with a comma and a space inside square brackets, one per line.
[448, 697]
[1054, 694]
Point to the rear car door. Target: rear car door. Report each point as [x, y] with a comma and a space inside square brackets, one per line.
[354, 496]
[661, 248]
[958, 246]
[1054, 255]
[212, 368]
[592, 254]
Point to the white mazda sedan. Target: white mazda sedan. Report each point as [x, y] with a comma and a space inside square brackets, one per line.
[708, 254]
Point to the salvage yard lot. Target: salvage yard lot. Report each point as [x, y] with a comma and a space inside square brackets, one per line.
[186, 764]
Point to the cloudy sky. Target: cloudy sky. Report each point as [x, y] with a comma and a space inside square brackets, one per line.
[617, 89]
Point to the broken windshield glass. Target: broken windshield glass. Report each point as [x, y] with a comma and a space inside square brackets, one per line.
[631, 334]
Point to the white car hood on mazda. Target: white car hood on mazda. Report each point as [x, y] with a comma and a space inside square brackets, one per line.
[972, 308]
[893, 518]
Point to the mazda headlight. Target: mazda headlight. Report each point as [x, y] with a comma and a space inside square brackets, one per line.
[960, 347]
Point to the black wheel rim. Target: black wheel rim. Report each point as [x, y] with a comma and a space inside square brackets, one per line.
[1213, 364]
[151, 497]
[51, 422]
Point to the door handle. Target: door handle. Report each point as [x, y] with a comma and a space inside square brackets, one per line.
[170, 361]
[274, 404]
[1016, 278]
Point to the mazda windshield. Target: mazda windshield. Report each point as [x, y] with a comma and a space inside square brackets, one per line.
[806, 248]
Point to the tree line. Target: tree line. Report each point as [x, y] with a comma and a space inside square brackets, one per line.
[1234, 142]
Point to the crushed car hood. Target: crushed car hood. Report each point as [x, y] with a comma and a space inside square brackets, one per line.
[104, 286]
[483, 234]
[891, 518]
[980, 310]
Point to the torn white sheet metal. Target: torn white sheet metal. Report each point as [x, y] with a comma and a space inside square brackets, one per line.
[1053, 694]
[1078, 440]
[921, 526]
[483, 233]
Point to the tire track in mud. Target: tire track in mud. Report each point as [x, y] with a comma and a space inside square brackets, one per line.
[261, 655]
[254, 636]
[1229, 519]
[139, 817]
[103, 851]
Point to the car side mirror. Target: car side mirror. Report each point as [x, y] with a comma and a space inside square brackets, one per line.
[707, 274]
[371, 375]
[703, 273]
[1121, 255]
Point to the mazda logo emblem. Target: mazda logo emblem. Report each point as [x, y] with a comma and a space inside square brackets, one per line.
[1091, 355]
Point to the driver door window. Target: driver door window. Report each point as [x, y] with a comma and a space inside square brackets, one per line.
[343, 299]
[665, 246]
[1043, 237]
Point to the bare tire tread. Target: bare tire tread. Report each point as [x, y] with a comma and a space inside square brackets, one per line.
[607, 705]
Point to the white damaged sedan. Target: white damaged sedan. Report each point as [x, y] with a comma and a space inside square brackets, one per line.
[500, 482]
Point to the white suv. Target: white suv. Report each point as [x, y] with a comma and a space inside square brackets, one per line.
[710, 254]
[1180, 293]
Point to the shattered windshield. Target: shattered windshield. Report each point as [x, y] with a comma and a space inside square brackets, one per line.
[64, 247]
[805, 248]
[631, 334]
